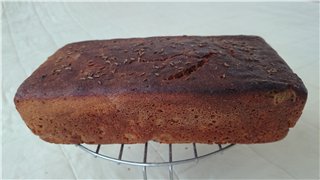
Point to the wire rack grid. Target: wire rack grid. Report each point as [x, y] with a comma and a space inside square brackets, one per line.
[144, 163]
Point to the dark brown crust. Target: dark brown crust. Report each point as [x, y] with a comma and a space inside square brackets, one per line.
[130, 76]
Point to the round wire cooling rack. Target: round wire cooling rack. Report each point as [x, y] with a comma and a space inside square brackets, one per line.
[144, 163]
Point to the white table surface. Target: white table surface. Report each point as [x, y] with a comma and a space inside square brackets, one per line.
[33, 31]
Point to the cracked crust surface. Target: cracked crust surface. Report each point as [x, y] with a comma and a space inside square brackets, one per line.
[226, 89]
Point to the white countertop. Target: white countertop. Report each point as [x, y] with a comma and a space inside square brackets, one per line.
[33, 31]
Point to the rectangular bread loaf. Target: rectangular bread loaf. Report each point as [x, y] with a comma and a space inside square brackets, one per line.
[179, 89]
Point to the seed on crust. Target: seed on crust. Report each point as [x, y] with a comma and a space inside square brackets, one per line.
[226, 64]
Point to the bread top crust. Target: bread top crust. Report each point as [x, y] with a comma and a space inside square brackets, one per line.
[176, 64]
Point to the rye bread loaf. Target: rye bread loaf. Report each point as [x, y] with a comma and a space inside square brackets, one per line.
[213, 89]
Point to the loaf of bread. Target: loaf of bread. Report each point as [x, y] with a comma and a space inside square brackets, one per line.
[213, 89]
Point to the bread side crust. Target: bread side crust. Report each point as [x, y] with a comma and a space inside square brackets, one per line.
[252, 117]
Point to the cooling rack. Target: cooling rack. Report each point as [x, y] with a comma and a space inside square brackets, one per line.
[144, 163]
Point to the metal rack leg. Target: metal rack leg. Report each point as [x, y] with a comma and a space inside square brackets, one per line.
[170, 160]
[220, 148]
[144, 170]
[195, 152]
[120, 152]
[98, 149]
